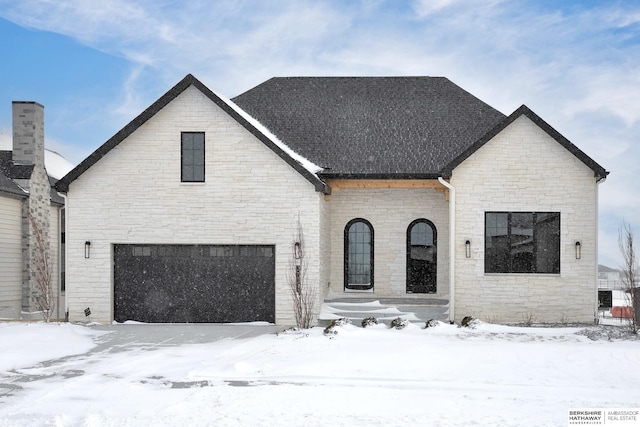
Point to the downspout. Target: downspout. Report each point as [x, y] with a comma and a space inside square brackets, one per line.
[598, 182]
[66, 258]
[452, 245]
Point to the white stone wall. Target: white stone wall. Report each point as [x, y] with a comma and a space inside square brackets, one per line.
[10, 257]
[134, 195]
[325, 249]
[523, 169]
[55, 248]
[390, 211]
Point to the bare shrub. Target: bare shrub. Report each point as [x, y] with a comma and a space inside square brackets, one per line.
[431, 323]
[399, 323]
[468, 322]
[528, 318]
[302, 294]
[332, 328]
[44, 295]
[369, 321]
[629, 273]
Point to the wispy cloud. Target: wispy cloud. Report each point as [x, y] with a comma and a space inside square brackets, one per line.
[576, 64]
[130, 104]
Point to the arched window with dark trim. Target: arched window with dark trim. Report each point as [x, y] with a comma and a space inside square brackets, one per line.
[422, 257]
[358, 255]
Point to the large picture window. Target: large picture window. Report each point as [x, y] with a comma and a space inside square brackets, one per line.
[358, 255]
[522, 242]
[192, 157]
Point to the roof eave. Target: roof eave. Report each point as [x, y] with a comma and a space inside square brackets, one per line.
[63, 184]
[188, 80]
[403, 175]
[598, 171]
[14, 193]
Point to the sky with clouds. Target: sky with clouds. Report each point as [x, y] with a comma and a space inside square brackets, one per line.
[96, 64]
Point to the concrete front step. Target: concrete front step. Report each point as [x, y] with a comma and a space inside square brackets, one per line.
[384, 309]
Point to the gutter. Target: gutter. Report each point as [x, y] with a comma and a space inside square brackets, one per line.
[599, 181]
[66, 260]
[452, 245]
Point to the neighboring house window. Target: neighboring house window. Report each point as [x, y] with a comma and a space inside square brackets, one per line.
[522, 242]
[358, 255]
[422, 256]
[192, 157]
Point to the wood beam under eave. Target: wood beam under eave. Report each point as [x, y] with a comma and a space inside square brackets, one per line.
[339, 184]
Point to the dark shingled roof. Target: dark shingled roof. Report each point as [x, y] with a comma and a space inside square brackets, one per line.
[55, 197]
[10, 171]
[375, 127]
[8, 186]
[358, 127]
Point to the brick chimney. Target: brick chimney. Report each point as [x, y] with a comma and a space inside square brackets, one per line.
[28, 133]
[28, 150]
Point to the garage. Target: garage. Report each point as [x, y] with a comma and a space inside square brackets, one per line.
[194, 283]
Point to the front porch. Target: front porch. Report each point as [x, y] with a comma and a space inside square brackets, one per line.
[416, 310]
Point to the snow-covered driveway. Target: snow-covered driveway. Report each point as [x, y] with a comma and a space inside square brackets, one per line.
[134, 375]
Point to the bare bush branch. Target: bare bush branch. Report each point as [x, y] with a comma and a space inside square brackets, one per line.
[629, 273]
[302, 294]
[44, 295]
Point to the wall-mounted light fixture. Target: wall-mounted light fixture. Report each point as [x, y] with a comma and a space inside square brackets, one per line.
[467, 249]
[87, 249]
[578, 250]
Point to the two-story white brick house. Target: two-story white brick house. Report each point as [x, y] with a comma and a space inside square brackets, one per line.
[402, 186]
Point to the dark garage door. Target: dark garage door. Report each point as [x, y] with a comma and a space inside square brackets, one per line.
[194, 283]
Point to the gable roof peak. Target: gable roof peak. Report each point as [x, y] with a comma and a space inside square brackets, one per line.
[523, 110]
[307, 169]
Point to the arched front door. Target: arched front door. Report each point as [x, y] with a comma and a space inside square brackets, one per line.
[422, 256]
[358, 255]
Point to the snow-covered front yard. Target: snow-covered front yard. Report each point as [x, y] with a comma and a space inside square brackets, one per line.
[492, 375]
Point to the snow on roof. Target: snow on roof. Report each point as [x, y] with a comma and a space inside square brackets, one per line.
[57, 166]
[304, 162]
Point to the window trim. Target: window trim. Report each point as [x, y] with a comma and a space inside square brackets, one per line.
[348, 287]
[182, 164]
[534, 239]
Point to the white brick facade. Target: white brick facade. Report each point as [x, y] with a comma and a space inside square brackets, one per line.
[55, 249]
[134, 195]
[523, 169]
[390, 211]
[251, 195]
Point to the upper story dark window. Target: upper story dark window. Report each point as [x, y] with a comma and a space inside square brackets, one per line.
[358, 255]
[192, 157]
[522, 242]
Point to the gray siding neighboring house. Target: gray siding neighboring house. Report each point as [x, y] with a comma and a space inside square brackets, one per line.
[609, 278]
[405, 188]
[26, 191]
